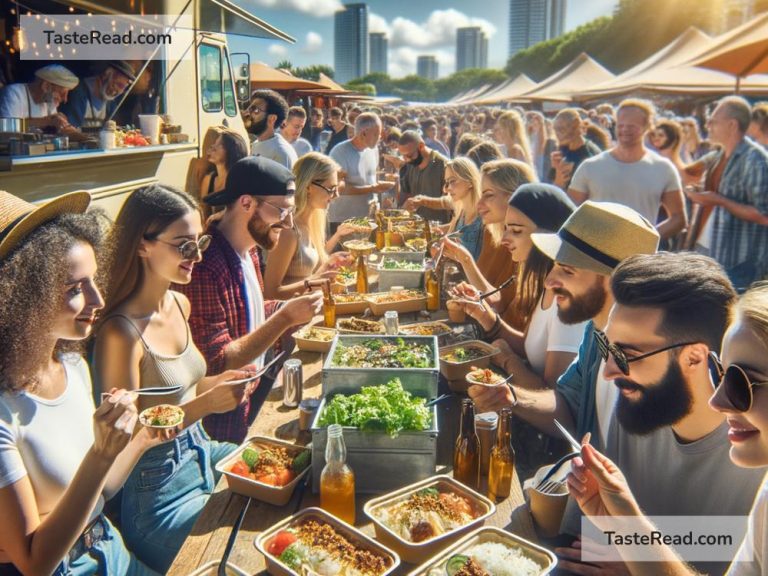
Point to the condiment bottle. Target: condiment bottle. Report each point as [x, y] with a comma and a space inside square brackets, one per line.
[432, 286]
[380, 242]
[502, 467]
[466, 454]
[329, 305]
[486, 425]
[107, 137]
[362, 274]
[427, 232]
[337, 481]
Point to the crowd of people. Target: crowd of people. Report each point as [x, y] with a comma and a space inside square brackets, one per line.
[619, 240]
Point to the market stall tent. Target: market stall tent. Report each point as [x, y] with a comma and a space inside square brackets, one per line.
[508, 91]
[582, 73]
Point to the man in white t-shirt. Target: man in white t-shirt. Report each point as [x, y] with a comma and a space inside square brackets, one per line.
[231, 322]
[632, 175]
[39, 100]
[292, 128]
[267, 112]
[359, 161]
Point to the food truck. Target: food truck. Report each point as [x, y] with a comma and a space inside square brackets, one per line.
[195, 92]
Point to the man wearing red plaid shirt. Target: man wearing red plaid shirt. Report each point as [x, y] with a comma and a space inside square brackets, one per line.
[231, 323]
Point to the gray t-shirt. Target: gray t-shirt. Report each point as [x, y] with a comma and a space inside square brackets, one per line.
[302, 147]
[276, 148]
[638, 185]
[427, 182]
[360, 167]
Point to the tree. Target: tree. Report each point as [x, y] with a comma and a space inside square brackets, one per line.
[313, 72]
[284, 65]
[361, 87]
[447, 88]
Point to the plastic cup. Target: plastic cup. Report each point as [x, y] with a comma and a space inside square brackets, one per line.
[150, 127]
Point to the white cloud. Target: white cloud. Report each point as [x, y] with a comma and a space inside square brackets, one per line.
[313, 43]
[317, 8]
[437, 31]
[377, 23]
[277, 50]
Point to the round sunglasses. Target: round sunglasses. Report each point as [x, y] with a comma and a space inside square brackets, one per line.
[736, 384]
[189, 249]
[620, 357]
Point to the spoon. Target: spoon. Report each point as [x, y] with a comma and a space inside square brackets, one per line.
[222, 570]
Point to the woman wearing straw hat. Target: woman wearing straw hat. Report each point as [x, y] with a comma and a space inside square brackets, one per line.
[59, 459]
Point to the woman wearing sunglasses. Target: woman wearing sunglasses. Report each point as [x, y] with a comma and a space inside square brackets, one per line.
[144, 341]
[741, 395]
[302, 253]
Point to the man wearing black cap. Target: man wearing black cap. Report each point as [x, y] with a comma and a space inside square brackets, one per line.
[94, 99]
[231, 323]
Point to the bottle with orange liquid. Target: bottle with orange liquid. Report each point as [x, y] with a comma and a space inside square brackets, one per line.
[380, 242]
[432, 286]
[329, 305]
[502, 467]
[466, 454]
[337, 481]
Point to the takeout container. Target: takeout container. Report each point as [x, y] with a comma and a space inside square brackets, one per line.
[380, 462]
[406, 278]
[277, 495]
[403, 256]
[355, 307]
[418, 552]
[212, 569]
[307, 345]
[442, 335]
[402, 306]
[341, 330]
[346, 380]
[456, 372]
[356, 537]
[547, 508]
[546, 559]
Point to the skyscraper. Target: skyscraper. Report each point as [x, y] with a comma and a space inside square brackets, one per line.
[471, 48]
[350, 42]
[379, 45]
[426, 67]
[534, 21]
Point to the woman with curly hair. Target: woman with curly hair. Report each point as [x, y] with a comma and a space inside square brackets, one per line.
[144, 341]
[59, 458]
[226, 149]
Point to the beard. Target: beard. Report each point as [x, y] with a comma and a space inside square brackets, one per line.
[258, 128]
[662, 404]
[416, 161]
[584, 307]
[261, 232]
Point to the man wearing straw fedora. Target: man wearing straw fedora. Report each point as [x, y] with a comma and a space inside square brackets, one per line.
[586, 249]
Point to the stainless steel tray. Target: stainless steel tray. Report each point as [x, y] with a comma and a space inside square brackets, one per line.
[341, 379]
[405, 278]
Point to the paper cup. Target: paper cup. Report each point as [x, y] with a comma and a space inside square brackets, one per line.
[547, 509]
[150, 127]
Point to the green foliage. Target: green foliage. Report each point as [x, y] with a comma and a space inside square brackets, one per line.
[362, 87]
[308, 72]
[464, 80]
[284, 65]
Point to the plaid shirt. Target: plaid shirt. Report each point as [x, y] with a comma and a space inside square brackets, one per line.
[219, 316]
[745, 180]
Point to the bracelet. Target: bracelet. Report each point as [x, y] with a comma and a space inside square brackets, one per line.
[307, 287]
[514, 395]
[491, 334]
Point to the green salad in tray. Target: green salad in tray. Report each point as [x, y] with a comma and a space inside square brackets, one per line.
[387, 407]
[395, 265]
[383, 353]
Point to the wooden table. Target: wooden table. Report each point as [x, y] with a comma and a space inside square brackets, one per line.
[211, 531]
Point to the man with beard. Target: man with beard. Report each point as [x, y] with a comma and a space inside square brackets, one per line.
[671, 311]
[422, 174]
[40, 99]
[586, 249]
[231, 323]
[96, 97]
[268, 110]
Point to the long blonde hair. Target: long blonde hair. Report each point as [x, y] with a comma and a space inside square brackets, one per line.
[310, 168]
[511, 123]
[466, 171]
[507, 175]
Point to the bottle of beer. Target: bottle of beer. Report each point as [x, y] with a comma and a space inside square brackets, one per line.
[432, 286]
[427, 232]
[329, 305]
[337, 481]
[502, 467]
[379, 230]
[362, 274]
[466, 454]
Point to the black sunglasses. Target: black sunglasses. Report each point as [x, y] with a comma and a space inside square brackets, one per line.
[736, 383]
[332, 191]
[620, 357]
[191, 248]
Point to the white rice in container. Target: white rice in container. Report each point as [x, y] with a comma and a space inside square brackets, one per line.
[501, 560]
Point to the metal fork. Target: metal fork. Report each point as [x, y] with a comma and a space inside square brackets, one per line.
[551, 487]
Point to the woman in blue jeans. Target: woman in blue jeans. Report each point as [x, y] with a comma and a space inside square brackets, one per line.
[144, 341]
[59, 457]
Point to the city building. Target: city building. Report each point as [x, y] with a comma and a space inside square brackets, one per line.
[471, 48]
[379, 44]
[426, 67]
[350, 42]
[733, 13]
[534, 21]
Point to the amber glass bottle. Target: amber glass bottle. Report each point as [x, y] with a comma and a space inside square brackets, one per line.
[329, 305]
[466, 454]
[337, 481]
[362, 275]
[432, 286]
[502, 467]
[379, 230]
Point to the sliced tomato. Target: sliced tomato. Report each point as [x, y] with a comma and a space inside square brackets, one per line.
[284, 476]
[266, 478]
[280, 542]
[240, 468]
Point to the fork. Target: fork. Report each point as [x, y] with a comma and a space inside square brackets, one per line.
[551, 487]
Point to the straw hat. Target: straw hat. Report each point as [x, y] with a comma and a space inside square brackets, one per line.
[18, 218]
[598, 236]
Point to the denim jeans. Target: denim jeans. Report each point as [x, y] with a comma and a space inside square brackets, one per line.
[165, 493]
[108, 557]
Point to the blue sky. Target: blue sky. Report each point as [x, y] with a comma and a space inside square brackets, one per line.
[414, 28]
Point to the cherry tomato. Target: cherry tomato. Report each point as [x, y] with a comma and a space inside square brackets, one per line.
[280, 542]
[240, 468]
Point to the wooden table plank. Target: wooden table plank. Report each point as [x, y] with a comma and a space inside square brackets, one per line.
[211, 531]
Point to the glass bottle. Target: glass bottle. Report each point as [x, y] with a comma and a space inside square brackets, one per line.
[466, 454]
[362, 274]
[329, 305]
[432, 286]
[380, 242]
[502, 467]
[427, 232]
[337, 481]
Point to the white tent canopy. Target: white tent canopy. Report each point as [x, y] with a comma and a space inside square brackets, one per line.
[582, 73]
[507, 91]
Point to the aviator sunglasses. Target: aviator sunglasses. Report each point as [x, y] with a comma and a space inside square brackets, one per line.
[736, 383]
[620, 357]
[190, 248]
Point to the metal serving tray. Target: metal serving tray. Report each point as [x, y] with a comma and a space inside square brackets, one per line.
[418, 381]
[380, 462]
[406, 278]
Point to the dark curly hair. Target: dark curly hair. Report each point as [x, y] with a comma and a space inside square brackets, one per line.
[32, 281]
[276, 104]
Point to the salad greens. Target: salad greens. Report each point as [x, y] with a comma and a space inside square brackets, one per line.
[383, 353]
[395, 265]
[386, 407]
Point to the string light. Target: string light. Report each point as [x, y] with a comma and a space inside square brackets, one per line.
[19, 38]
